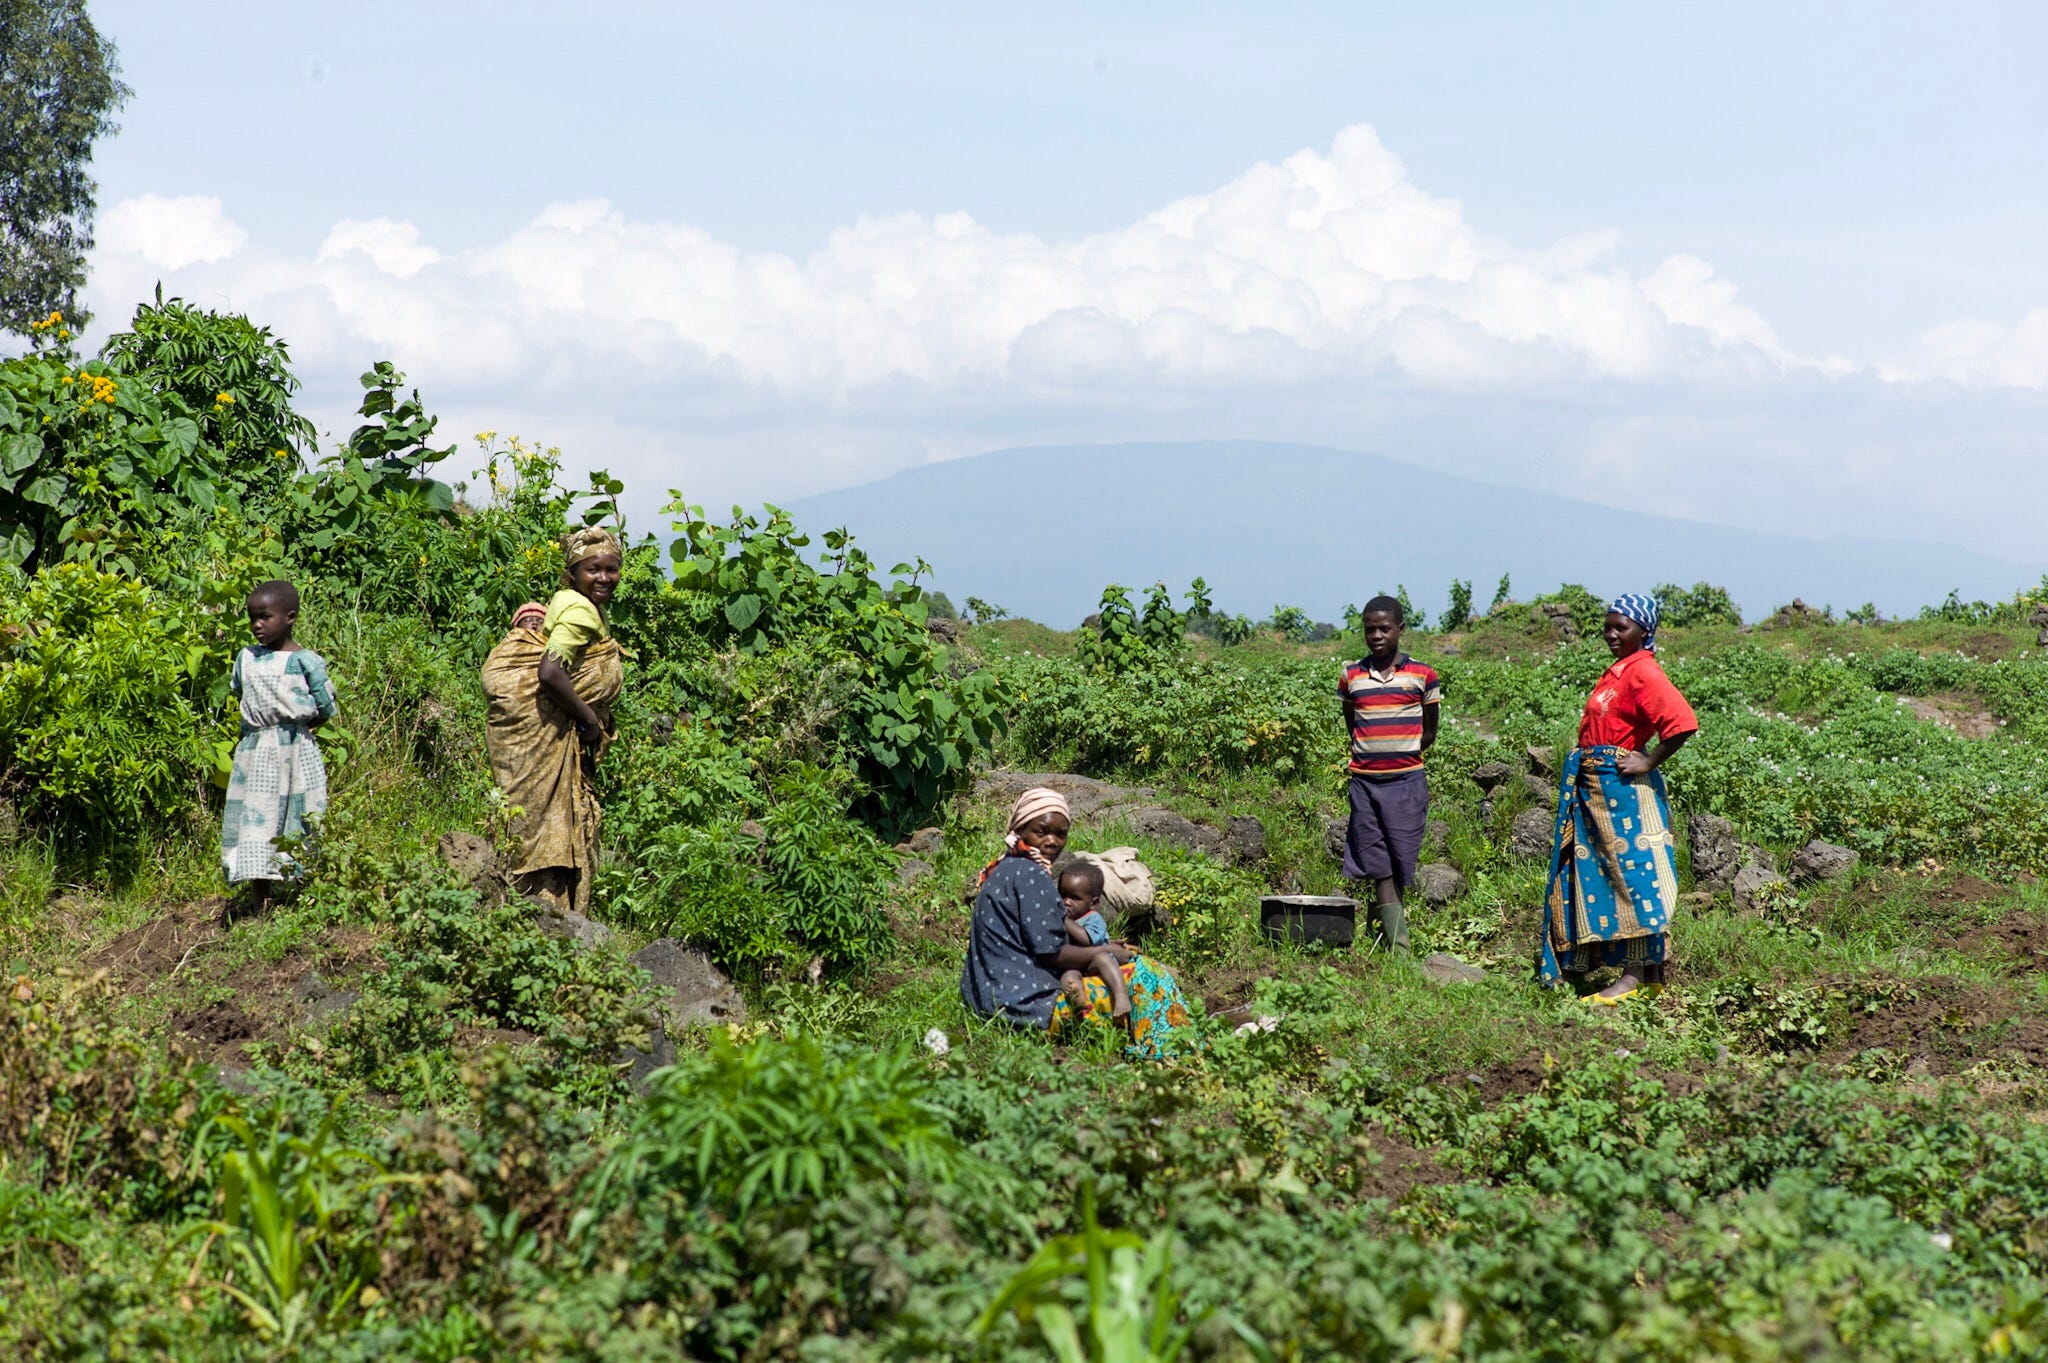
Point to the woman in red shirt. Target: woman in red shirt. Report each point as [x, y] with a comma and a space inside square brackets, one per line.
[1613, 870]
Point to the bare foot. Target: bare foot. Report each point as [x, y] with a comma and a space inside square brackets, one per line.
[1626, 984]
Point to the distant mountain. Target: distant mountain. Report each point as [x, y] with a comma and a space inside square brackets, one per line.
[1040, 531]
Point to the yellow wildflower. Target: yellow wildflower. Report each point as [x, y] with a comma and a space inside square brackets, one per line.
[65, 379]
[64, 334]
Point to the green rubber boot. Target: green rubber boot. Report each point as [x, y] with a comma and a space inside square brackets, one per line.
[1390, 920]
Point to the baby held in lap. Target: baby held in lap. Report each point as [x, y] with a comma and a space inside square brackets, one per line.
[1081, 896]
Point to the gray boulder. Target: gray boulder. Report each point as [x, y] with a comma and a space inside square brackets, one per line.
[910, 870]
[1542, 760]
[1531, 833]
[689, 990]
[1438, 883]
[1490, 775]
[1542, 790]
[1716, 856]
[1334, 833]
[319, 1002]
[1244, 840]
[927, 843]
[1822, 861]
[571, 926]
[1755, 887]
[472, 857]
[1436, 836]
[1444, 968]
[1175, 830]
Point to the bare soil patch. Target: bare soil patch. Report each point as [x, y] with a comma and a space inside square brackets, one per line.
[219, 1029]
[157, 948]
[1401, 1167]
[1964, 714]
[1948, 1025]
[2020, 937]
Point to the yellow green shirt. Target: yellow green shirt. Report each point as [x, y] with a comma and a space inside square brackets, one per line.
[573, 624]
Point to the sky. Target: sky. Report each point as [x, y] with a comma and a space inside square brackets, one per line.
[1775, 266]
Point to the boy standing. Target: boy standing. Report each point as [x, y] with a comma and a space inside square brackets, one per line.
[1390, 707]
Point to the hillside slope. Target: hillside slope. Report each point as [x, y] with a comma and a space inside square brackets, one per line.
[1268, 523]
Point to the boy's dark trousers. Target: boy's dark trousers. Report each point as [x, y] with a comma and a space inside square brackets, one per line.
[1385, 839]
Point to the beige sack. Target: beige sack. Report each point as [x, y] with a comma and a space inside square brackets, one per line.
[1126, 881]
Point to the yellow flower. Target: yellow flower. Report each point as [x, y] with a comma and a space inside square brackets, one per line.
[224, 399]
[280, 455]
[65, 379]
[64, 334]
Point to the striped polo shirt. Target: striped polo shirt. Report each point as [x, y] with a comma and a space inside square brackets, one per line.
[1386, 714]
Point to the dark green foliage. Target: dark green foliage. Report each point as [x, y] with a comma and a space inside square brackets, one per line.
[908, 728]
[58, 93]
[1161, 626]
[939, 606]
[200, 357]
[1460, 613]
[1701, 604]
[985, 612]
[454, 963]
[1501, 595]
[1116, 644]
[102, 686]
[1291, 623]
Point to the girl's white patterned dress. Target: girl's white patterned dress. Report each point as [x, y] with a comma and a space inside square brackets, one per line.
[278, 777]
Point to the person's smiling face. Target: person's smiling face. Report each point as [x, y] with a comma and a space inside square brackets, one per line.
[597, 577]
[1623, 635]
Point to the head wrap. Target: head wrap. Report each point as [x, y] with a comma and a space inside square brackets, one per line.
[588, 542]
[1035, 804]
[1641, 609]
[533, 609]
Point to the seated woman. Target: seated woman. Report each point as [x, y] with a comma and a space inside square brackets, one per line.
[1018, 946]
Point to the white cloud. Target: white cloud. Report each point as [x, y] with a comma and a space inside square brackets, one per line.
[1979, 353]
[393, 247]
[1325, 297]
[170, 233]
[1323, 266]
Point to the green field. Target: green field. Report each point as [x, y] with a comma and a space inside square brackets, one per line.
[394, 1118]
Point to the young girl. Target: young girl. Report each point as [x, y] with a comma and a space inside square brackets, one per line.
[279, 780]
[1080, 885]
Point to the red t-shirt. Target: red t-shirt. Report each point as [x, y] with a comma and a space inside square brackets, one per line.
[1633, 700]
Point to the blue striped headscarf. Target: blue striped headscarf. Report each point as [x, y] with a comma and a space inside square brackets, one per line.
[1641, 609]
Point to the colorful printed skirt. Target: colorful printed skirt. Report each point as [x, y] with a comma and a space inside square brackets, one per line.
[1160, 1027]
[1613, 869]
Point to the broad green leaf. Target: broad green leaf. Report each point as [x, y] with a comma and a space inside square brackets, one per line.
[47, 490]
[20, 451]
[742, 611]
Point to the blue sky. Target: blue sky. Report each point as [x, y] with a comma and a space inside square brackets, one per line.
[1869, 179]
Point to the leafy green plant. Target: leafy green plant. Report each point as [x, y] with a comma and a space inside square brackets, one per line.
[1161, 626]
[1501, 594]
[985, 612]
[909, 728]
[199, 357]
[103, 683]
[1117, 643]
[1459, 614]
[1292, 624]
[291, 1225]
[776, 1123]
[1128, 1312]
[1701, 604]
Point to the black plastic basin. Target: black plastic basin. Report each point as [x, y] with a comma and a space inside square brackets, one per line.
[1328, 918]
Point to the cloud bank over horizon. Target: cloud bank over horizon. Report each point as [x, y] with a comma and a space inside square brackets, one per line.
[1325, 297]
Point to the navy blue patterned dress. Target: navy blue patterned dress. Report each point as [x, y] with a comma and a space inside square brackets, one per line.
[1017, 919]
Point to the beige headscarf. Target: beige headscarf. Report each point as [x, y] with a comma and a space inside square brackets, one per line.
[588, 542]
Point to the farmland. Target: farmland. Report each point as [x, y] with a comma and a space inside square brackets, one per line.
[396, 1116]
